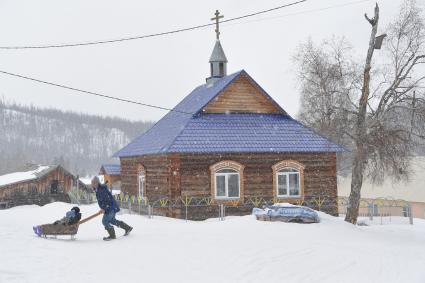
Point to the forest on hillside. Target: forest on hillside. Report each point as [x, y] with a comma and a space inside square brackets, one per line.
[79, 142]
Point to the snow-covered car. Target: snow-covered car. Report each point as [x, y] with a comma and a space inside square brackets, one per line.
[287, 213]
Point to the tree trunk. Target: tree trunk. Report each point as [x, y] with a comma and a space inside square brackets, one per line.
[360, 157]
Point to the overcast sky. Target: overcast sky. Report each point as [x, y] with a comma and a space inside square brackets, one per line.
[163, 70]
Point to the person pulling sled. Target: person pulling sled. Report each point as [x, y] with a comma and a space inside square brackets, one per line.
[109, 207]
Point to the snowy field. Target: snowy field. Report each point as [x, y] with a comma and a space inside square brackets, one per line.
[239, 249]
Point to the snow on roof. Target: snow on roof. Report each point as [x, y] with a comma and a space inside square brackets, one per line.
[17, 177]
[85, 181]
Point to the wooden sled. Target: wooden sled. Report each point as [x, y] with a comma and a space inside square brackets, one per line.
[60, 229]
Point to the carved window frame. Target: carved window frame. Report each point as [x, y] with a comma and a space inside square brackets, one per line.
[141, 171]
[227, 164]
[290, 164]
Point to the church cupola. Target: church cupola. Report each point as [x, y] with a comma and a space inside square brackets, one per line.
[218, 60]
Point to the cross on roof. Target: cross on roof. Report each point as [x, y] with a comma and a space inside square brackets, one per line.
[216, 19]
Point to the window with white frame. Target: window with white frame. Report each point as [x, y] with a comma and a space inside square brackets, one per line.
[288, 182]
[227, 184]
[142, 180]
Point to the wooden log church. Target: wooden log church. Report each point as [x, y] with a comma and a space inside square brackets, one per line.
[229, 141]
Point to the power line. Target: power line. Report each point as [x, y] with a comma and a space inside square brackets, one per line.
[303, 12]
[150, 35]
[91, 92]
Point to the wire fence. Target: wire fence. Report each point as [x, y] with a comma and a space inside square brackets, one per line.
[199, 208]
[380, 210]
[377, 211]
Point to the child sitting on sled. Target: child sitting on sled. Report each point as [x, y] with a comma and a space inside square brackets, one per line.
[71, 217]
[61, 227]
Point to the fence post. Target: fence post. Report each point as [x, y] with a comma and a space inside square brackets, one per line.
[380, 213]
[150, 212]
[371, 211]
[221, 212]
[410, 215]
[129, 205]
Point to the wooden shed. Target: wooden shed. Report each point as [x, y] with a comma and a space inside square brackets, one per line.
[37, 184]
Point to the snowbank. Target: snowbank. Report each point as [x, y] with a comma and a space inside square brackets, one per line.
[239, 249]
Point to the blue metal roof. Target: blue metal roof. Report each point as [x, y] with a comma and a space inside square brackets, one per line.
[249, 133]
[191, 131]
[112, 169]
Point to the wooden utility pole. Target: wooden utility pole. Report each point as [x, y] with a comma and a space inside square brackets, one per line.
[360, 156]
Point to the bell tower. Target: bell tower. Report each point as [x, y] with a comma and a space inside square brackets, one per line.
[218, 60]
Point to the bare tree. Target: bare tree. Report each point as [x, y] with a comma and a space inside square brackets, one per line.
[383, 137]
[361, 149]
[329, 82]
[329, 79]
[381, 128]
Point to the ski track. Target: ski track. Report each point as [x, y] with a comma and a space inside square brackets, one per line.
[239, 249]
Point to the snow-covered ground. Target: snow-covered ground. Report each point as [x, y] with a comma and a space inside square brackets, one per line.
[239, 249]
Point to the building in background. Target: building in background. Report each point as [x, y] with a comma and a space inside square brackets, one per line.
[37, 184]
[398, 195]
[111, 174]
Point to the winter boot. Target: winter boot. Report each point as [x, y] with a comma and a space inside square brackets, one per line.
[126, 227]
[111, 233]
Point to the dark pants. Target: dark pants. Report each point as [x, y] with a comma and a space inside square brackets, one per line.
[108, 219]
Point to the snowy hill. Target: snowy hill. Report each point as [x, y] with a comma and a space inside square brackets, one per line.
[239, 249]
[78, 142]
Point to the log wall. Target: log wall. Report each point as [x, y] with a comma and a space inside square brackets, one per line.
[175, 175]
[319, 175]
[158, 173]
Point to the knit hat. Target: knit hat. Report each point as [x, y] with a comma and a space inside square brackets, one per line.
[95, 180]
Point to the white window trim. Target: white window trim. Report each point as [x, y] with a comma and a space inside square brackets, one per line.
[287, 183]
[226, 184]
[142, 190]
